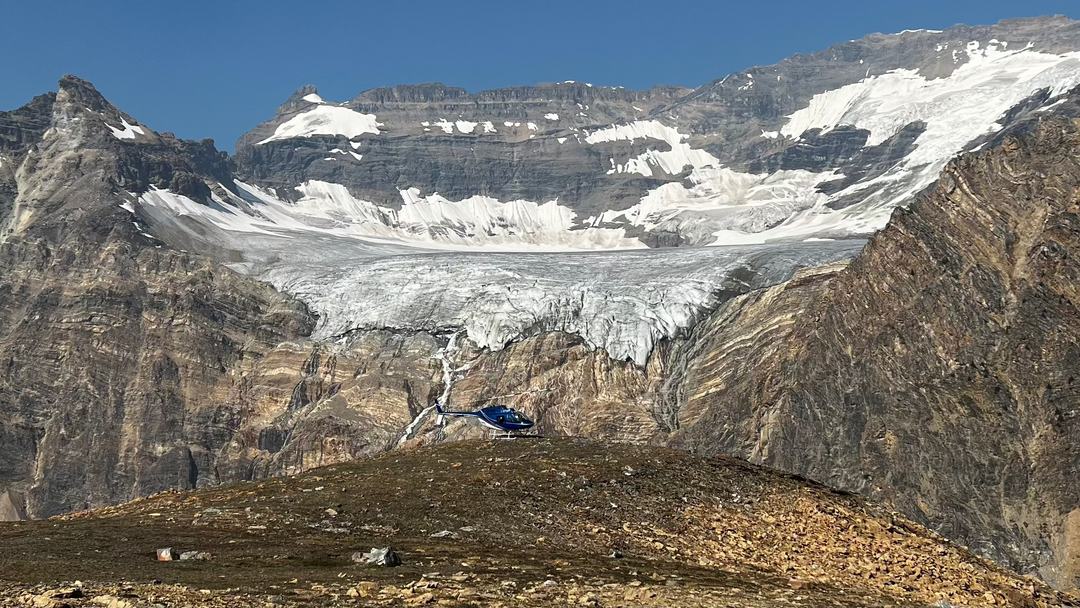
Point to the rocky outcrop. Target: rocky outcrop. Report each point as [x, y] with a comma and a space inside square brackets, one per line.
[569, 388]
[938, 372]
[12, 506]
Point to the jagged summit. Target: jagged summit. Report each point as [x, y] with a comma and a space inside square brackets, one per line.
[84, 161]
[76, 90]
[78, 97]
[302, 98]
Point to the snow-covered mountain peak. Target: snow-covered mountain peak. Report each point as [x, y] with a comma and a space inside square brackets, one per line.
[959, 107]
[818, 146]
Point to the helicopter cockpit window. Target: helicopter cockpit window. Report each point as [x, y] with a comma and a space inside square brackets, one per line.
[519, 418]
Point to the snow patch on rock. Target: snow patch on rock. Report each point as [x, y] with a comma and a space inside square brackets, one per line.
[639, 129]
[732, 207]
[956, 109]
[128, 131]
[326, 120]
[671, 162]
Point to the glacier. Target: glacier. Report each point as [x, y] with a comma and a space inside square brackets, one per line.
[622, 301]
[429, 222]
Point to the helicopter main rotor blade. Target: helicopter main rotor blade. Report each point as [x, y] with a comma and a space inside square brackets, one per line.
[539, 390]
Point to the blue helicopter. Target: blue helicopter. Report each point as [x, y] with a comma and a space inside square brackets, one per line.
[496, 417]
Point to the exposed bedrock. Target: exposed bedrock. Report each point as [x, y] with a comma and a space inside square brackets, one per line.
[128, 368]
[939, 372]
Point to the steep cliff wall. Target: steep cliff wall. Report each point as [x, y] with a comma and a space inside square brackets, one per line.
[939, 372]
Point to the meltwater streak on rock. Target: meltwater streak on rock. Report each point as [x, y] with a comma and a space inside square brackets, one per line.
[444, 356]
[622, 302]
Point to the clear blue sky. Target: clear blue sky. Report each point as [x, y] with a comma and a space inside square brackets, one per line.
[216, 68]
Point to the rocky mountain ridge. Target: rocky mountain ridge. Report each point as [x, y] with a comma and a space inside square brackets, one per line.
[563, 522]
[938, 370]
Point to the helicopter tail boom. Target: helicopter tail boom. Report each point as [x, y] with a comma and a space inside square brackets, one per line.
[442, 414]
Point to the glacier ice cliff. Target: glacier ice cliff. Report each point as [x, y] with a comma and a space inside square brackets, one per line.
[623, 302]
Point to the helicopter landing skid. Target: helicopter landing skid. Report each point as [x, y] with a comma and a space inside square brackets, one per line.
[498, 435]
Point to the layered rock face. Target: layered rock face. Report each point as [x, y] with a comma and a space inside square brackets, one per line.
[129, 368]
[570, 388]
[938, 372]
[442, 139]
[818, 145]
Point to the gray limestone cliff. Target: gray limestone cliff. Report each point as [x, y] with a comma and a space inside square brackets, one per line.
[536, 147]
